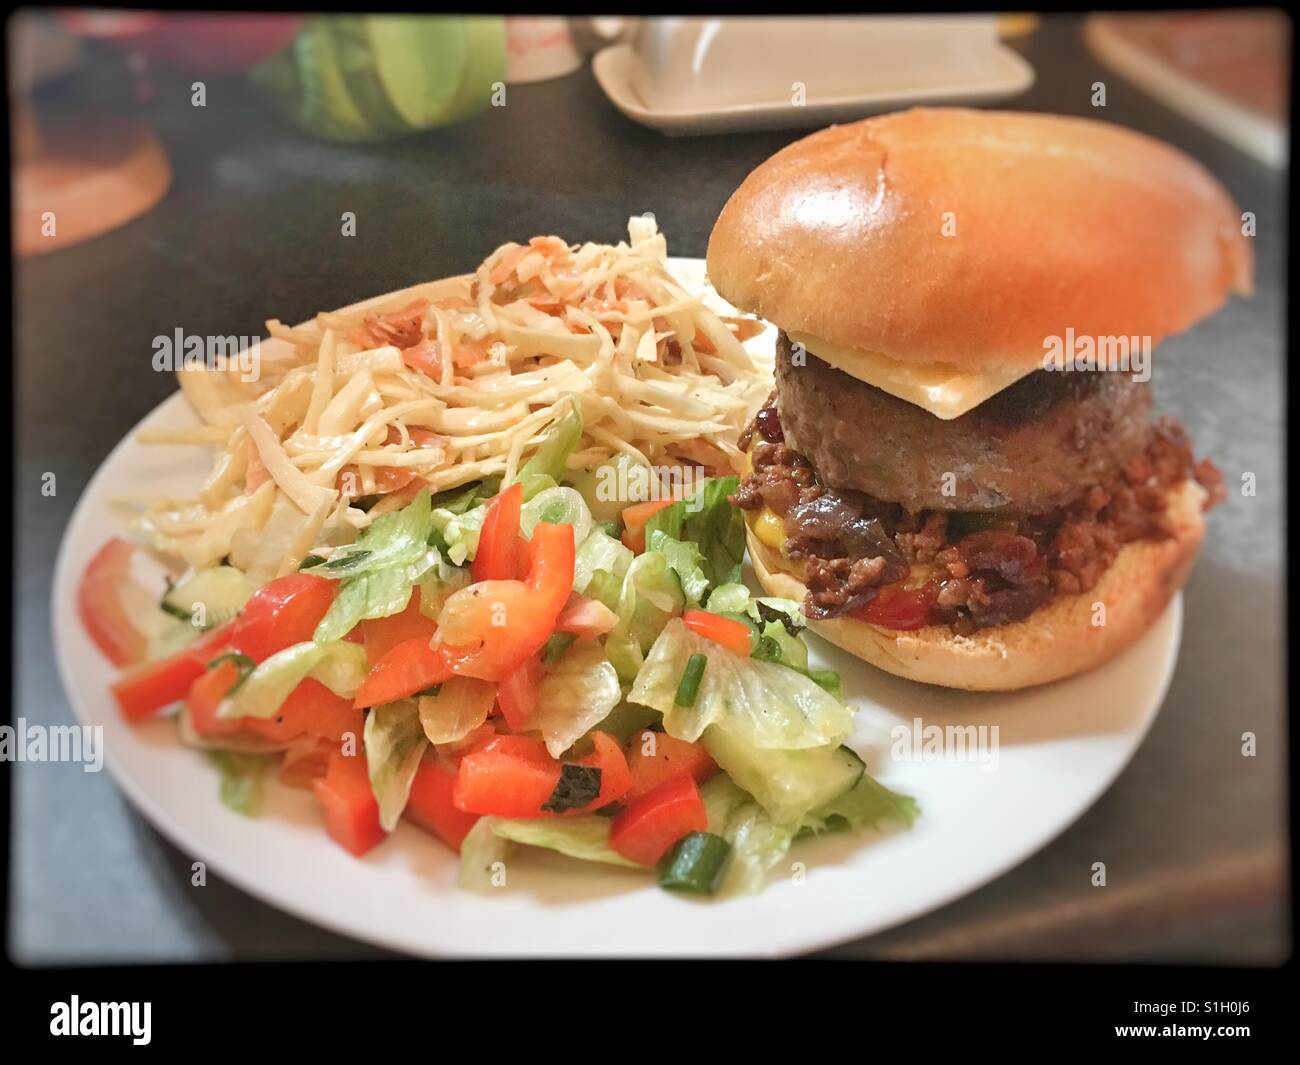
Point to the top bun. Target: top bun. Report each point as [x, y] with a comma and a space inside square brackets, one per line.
[1055, 223]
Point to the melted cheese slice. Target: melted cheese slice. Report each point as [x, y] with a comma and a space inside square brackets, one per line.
[945, 391]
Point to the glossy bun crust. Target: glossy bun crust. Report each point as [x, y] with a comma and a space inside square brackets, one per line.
[968, 237]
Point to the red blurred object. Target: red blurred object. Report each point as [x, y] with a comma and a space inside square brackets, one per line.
[208, 43]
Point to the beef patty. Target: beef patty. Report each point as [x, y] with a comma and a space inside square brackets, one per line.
[1035, 446]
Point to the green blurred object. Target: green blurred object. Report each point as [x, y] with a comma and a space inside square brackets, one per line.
[369, 77]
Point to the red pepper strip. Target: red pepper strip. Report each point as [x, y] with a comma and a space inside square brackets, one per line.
[490, 628]
[497, 556]
[144, 691]
[410, 667]
[733, 635]
[634, 519]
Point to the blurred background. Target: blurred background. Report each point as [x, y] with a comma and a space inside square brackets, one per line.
[196, 171]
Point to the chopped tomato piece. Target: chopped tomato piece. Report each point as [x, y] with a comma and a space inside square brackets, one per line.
[408, 668]
[351, 812]
[656, 757]
[144, 691]
[431, 807]
[517, 693]
[645, 831]
[635, 517]
[491, 627]
[100, 605]
[381, 635]
[732, 634]
[282, 613]
[499, 556]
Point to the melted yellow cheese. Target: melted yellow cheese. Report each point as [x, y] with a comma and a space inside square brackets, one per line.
[945, 391]
[770, 529]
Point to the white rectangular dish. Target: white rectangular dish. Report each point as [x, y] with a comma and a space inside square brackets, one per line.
[709, 75]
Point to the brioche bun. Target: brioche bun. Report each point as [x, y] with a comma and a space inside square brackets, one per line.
[1058, 640]
[966, 238]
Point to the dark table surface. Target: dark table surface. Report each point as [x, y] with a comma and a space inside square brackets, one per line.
[1193, 833]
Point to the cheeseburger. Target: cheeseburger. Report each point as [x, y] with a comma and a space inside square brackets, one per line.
[959, 472]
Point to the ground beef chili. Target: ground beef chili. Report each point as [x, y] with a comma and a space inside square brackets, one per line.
[902, 569]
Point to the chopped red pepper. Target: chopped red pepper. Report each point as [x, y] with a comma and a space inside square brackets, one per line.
[381, 635]
[144, 691]
[513, 776]
[654, 758]
[491, 627]
[310, 710]
[509, 776]
[431, 807]
[635, 518]
[410, 667]
[732, 634]
[306, 762]
[351, 812]
[205, 697]
[281, 614]
[646, 830]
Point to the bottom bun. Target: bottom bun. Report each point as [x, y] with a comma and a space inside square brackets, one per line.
[1057, 640]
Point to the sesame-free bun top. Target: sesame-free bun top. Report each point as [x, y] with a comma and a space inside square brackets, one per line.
[962, 237]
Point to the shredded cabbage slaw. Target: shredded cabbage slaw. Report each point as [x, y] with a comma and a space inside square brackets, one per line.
[451, 383]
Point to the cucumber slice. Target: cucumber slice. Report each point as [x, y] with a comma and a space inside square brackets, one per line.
[420, 60]
[356, 61]
[222, 590]
[326, 107]
[787, 784]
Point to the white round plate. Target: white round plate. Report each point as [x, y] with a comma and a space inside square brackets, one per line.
[1058, 748]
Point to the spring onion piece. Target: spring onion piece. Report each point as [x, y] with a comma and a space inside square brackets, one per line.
[350, 559]
[166, 607]
[246, 666]
[689, 686]
[555, 647]
[311, 560]
[696, 864]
